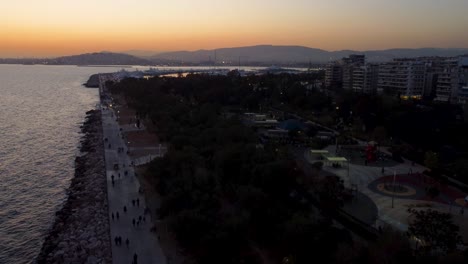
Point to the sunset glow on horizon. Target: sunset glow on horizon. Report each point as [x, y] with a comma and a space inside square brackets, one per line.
[33, 28]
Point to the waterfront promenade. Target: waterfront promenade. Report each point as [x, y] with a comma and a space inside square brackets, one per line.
[121, 191]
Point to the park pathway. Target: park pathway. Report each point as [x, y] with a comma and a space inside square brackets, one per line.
[121, 191]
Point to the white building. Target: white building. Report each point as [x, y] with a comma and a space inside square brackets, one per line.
[404, 77]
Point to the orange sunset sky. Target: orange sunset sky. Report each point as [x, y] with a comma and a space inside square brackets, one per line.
[33, 28]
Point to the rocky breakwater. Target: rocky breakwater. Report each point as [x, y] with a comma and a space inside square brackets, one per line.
[80, 233]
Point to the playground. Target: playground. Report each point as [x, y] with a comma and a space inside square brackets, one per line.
[368, 155]
[418, 186]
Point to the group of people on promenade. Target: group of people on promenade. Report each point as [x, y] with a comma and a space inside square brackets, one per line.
[115, 215]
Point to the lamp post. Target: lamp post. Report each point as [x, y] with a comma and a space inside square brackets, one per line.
[393, 194]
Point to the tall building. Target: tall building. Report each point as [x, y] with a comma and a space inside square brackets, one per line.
[334, 75]
[463, 77]
[339, 74]
[403, 77]
[350, 65]
[365, 78]
[452, 80]
[359, 59]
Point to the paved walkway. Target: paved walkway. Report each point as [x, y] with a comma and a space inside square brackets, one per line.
[360, 176]
[121, 193]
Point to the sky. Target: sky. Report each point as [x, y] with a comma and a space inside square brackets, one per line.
[45, 28]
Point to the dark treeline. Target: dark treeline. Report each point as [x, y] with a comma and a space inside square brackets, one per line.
[229, 199]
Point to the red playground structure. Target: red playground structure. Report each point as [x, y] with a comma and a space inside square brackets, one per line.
[371, 152]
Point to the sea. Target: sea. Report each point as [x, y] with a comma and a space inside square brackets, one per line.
[41, 110]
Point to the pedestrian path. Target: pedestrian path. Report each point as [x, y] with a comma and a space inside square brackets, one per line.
[123, 187]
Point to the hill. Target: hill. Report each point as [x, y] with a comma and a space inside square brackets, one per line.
[98, 58]
[101, 58]
[294, 54]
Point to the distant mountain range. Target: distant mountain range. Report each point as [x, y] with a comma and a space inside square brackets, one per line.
[265, 55]
[295, 54]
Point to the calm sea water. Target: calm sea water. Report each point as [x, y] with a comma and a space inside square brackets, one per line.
[41, 109]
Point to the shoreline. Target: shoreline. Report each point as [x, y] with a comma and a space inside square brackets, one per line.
[81, 232]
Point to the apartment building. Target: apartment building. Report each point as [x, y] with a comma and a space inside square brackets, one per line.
[334, 75]
[339, 74]
[365, 78]
[452, 80]
[403, 77]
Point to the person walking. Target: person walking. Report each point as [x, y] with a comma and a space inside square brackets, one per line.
[117, 215]
[138, 201]
[133, 221]
[135, 258]
[112, 216]
[125, 209]
[116, 240]
[127, 242]
[133, 202]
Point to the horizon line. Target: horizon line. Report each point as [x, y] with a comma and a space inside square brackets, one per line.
[127, 52]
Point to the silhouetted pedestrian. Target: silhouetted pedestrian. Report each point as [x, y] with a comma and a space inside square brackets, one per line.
[138, 223]
[133, 221]
[112, 216]
[144, 219]
[139, 218]
[125, 209]
[127, 242]
[133, 202]
[135, 258]
[116, 240]
[117, 215]
[138, 201]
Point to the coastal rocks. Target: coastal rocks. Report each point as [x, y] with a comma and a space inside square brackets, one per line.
[80, 233]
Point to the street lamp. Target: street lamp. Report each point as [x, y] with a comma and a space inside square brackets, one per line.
[393, 194]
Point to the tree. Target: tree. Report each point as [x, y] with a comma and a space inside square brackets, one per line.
[380, 133]
[332, 192]
[431, 160]
[390, 247]
[436, 231]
